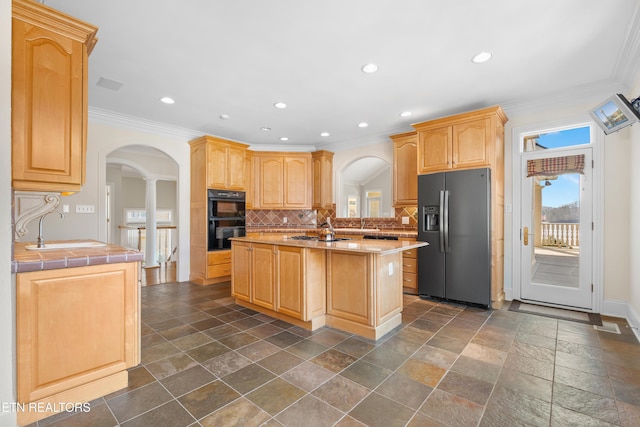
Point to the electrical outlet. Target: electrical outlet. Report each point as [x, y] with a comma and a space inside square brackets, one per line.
[405, 220]
[85, 209]
[284, 220]
[65, 208]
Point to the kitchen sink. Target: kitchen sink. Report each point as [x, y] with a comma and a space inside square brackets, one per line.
[66, 245]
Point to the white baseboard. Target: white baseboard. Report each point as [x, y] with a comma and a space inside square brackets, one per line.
[508, 294]
[622, 309]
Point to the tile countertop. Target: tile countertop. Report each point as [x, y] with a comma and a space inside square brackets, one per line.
[405, 233]
[382, 247]
[25, 260]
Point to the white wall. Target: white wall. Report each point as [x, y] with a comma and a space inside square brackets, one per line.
[342, 159]
[381, 182]
[634, 214]
[7, 285]
[102, 140]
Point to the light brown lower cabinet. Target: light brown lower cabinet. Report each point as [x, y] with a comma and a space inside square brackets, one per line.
[358, 292]
[78, 331]
[410, 271]
[285, 282]
[364, 292]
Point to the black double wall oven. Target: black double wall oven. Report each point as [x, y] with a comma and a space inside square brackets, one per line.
[226, 213]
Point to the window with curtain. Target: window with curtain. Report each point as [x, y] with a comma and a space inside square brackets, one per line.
[551, 166]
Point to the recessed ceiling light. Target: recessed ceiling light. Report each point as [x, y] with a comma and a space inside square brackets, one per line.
[363, 125]
[265, 128]
[167, 100]
[223, 116]
[369, 68]
[280, 105]
[481, 57]
[405, 114]
[325, 134]
[284, 138]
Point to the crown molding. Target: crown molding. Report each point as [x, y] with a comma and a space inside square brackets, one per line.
[628, 64]
[112, 118]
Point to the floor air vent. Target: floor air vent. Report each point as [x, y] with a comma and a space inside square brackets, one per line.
[608, 327]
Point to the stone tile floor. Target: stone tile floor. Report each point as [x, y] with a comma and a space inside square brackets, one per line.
[209, 362]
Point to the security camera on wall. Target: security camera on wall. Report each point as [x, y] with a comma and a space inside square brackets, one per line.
[615, 113]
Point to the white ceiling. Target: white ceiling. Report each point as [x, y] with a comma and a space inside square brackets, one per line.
[239, 57]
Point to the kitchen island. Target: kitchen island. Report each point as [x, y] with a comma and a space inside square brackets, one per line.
[351, 285]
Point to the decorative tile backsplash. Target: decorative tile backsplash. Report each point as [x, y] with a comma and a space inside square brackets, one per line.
[282, 218]
[314, 218]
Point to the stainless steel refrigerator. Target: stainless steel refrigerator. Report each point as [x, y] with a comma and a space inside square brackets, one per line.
[454, 217]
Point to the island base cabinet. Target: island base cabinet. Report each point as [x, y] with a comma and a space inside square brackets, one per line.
[364, 292]
[77, 333]
[283, 282]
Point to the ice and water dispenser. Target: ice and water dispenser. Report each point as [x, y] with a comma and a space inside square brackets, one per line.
[431, 218]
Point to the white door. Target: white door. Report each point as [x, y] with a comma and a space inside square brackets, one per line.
[556, 229]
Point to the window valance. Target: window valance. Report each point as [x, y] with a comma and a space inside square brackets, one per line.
[555, 165]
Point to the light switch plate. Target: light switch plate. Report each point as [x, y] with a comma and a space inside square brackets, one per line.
[85, 209]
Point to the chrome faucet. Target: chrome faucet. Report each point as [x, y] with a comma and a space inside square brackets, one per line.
[362, 223]
[40, 238]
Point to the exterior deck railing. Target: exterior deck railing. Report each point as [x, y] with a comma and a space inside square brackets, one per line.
[560, 234]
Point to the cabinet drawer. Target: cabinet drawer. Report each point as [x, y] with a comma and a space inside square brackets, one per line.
[219, 257]
[410, 280]
[219, 270]
[410, 253]
[409, 265]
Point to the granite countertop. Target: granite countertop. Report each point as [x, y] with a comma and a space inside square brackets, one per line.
[25, 260]
[362, 246]
[342, 231]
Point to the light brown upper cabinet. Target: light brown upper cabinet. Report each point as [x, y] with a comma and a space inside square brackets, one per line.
[282, 180]
[50, 53]
[322, 179]
[405, 169]
[225, 163]
[465, 141]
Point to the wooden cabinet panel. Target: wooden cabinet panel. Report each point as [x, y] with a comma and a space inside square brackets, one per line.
[270, 182]
[388, 287]
[405, 169]
[297, 182]
[241, 271]
[75, 326]
[216, 166]
[291, 281]
[49, 98]
[284, 279]
[263, 277]
[236, 169]
[249, 187]
[225, 163]
[410, 270]
[471, 146]
[323, 179]
[348, 294]
[282, 181]
[435, 150]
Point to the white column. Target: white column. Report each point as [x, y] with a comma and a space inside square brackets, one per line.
[150, 255]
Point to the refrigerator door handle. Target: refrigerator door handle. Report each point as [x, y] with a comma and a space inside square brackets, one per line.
[441, 220]
[445, 221]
